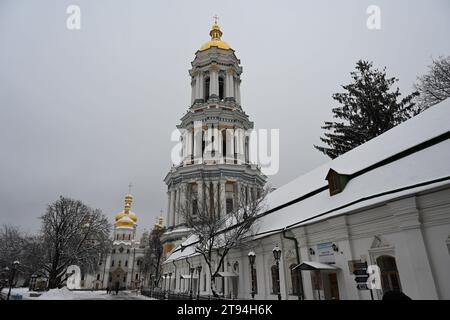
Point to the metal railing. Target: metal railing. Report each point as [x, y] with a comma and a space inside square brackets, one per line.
[160, 294]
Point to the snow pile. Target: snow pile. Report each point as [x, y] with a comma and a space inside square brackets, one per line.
[57, 294]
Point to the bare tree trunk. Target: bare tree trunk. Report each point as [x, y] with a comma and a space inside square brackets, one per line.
[213, 286]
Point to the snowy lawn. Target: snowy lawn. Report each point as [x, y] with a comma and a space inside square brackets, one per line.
[66, 294]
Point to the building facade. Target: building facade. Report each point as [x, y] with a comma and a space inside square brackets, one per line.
[122, 267]
[383, 207]
[215, 166]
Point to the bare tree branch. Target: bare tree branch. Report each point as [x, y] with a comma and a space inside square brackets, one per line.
[217, 231]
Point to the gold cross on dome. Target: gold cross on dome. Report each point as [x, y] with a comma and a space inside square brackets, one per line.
[129, 187]
[216, 18]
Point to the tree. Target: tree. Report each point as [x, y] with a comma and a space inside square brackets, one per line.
[72, 233]
[368, 108]
[15, 245]
[217, 234]
[12, 242]
[153, 255]
[434, 86]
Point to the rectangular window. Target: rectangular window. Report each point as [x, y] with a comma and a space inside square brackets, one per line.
[112, 263]
[194, 208]
[229, 204]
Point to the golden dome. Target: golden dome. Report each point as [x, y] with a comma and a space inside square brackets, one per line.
[125, 222]
[130, 214]
[215, 41]
[125, 217]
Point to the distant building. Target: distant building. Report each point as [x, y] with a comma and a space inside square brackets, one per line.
[122, 268]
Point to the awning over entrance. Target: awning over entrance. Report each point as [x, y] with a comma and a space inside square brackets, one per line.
[313, 265]
[227, 274]
[188, 276]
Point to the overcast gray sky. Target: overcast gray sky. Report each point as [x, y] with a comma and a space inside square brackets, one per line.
[84, 112]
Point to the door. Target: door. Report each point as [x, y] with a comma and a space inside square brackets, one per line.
[334, 288]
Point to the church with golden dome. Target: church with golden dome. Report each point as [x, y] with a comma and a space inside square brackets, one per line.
[126, 254]
[122, 267]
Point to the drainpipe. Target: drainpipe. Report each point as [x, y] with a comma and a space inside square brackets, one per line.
[300, 280]
[175, 287]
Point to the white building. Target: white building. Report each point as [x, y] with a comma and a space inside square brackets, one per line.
[122, 267]
[386, 203]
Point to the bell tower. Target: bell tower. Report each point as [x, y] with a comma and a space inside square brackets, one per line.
[215, 135]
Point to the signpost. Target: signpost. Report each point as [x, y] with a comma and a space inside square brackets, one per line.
[361, 276]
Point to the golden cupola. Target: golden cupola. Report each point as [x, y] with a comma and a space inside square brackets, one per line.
[216, 40]
[126, 218]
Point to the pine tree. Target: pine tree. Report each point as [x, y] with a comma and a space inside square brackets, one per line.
[368, 108]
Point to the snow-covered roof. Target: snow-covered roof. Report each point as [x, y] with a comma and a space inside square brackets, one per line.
[185, 249]
[424, 169]
[426, 165]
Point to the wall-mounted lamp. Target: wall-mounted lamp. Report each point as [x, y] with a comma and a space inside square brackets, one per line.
[311, 251]
[335, 247]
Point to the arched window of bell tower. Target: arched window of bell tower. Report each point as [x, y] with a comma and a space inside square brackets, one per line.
[224, 143]
[203, 142]
[246, 150]
[221, 88]
[206, 89]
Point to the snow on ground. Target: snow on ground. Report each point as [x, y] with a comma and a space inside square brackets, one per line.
[66, 294]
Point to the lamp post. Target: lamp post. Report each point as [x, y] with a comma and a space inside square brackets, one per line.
[170, 280]
[190, 280]
[13, 274]
[190, 291]
[165, 284]
[199, 270]
[277, 254]
[251, 258]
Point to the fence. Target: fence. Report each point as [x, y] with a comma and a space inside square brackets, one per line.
[159, 294]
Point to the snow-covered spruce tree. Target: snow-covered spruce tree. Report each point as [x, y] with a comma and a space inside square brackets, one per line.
[72, 233]
[218, 234]
[434, 86]
[369, 107]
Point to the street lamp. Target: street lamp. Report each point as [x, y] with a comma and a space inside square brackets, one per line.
[13, 273]
[251, 258]
[335, 247]
[165, 284]
[277, 254]
[190, 291]
[199, 270]
[170, 280]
